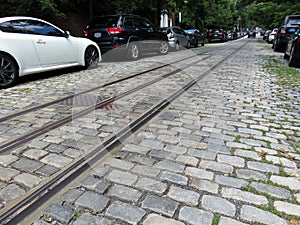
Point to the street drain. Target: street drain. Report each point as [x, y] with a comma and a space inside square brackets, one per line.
[88, 101]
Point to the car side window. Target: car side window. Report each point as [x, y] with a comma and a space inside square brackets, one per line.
[182, 31]
[40, 28]
[143, 24]
[128, 22]
[16, 26]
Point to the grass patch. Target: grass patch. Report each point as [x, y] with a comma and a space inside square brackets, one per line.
[76, 215]
[273, 210]
[287, 76]
[216, 219]
[254, 191]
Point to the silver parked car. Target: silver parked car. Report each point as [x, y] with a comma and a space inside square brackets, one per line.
[177, 37]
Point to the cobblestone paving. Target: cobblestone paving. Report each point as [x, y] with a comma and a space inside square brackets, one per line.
[226, 152]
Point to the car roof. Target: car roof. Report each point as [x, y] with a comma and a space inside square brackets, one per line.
[4, 19]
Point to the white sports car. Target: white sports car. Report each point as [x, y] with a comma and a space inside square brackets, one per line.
[29, 45]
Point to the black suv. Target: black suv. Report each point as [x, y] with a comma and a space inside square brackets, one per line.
[291, 22]
[128, 33]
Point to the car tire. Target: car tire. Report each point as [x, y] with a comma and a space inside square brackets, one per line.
[293, 62]
[133, 51]
[91, 57]
[188, 45]
[202, 43]
[164, 48]
[196, 44]
[177, 46]
[9, 72]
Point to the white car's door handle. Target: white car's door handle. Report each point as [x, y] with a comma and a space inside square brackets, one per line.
[41, 42]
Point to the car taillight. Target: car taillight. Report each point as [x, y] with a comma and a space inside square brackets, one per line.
[282, 31]
[85, 32]
[114, 30]
[298, 40]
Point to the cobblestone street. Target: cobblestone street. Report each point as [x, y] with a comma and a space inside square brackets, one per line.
[225, 153]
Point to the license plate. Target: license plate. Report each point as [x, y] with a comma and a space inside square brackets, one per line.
[97, 35]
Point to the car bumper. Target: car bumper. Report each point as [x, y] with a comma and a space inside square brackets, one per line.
[172, 43]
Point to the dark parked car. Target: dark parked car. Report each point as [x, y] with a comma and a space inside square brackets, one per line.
[266, 35]
[252, 34]
[284, 33]
[131, 34]
[196, 37]
[177, 37]
[216, 35]
[292, 52]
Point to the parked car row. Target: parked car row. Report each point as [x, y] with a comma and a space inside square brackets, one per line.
[51, 48]
[214, 35]
[286, 39]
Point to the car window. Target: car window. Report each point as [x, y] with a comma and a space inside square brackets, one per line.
[107, 21]
[144, 24]
[176, 30]
[293, 20]
[128, 22]
[16, 26]
[181, 31]
[41, 28]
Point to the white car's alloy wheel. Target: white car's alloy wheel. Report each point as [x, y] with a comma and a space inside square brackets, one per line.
[8, 71]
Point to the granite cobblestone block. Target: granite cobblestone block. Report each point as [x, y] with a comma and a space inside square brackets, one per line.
[253, 214]
[236, 194]
[92, 201]
[182, 195]
[166, 206]
[122, 177]
[154, 219]
[151, 185]
[124, 193]
[195, 216]
[218, 205]
[63, 214]
[126, 212]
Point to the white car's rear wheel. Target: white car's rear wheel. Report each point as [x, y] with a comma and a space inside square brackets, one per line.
[8, 71]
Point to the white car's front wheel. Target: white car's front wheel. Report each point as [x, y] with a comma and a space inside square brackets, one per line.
[8, 71]
[91, 57]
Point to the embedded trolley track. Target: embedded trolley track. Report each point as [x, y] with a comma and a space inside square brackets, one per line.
[20, 210]
[9, 146]
[41, 106]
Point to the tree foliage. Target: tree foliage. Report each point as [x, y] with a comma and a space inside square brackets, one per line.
[226, 14]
